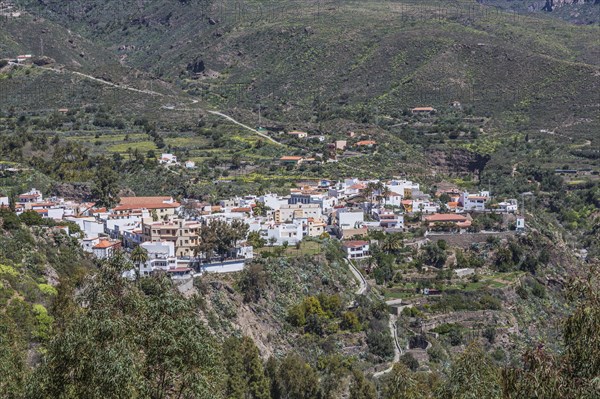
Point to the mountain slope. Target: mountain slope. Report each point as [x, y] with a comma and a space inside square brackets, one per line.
[530, 73]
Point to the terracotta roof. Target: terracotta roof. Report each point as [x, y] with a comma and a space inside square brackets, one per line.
[407, 202]
[355, 244]
[452, 204]
[43, 204]
[423, 109]
[128, 203]
[27, 196]
[445, 217]
[358, 186]
[290, 158]
[366, 142]
[241, 209]
[104, 244]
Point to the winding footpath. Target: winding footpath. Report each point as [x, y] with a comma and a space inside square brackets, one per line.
[392, 324]
[362, 289]
[397, 348]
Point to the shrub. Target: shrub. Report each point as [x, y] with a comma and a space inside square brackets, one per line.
[522, 292]
[409, 360]
[9, 220]
[9, 270]
[490, 334]
[538, 289]
[47, 289]
[350, 321]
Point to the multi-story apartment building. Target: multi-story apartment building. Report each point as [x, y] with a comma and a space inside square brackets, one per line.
[184, 234]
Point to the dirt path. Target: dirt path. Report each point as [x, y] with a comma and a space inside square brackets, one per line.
[229, 118]
[105, 82]
[155, 93]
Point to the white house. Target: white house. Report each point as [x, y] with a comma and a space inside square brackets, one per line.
[425, 206]
[285, 232]
[4, 202]
[88, 243]
[32, 195]
[161, 256]
[393, 199]
[510, 206]
[105, 248]
[168, 159]
[190, 164]
[389, 220]
[357, 249]
[474, 202]
[350, 219]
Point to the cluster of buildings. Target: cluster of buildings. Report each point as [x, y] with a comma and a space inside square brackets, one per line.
[171, 160]
[169, 230]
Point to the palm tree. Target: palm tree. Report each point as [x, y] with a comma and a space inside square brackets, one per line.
[392, 243]
[384, 191]
[369, 191]
[139, 256]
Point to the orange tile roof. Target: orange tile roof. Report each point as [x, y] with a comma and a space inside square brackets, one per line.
[354, 244]
[290, 158]
[358, 186]
[423, 109]
[366, 142]
[128, 203]
[452, 204]
[445, 217]
[104, 244]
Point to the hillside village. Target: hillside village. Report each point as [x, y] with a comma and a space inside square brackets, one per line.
[179, 236]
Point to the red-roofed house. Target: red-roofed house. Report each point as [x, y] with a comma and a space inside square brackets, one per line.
[32, 195]
[393, 199]
[105, 248]
[162, 205]
[357, 249]
[423, 110]
[366, 143]
[461, 221]
[287, 159]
